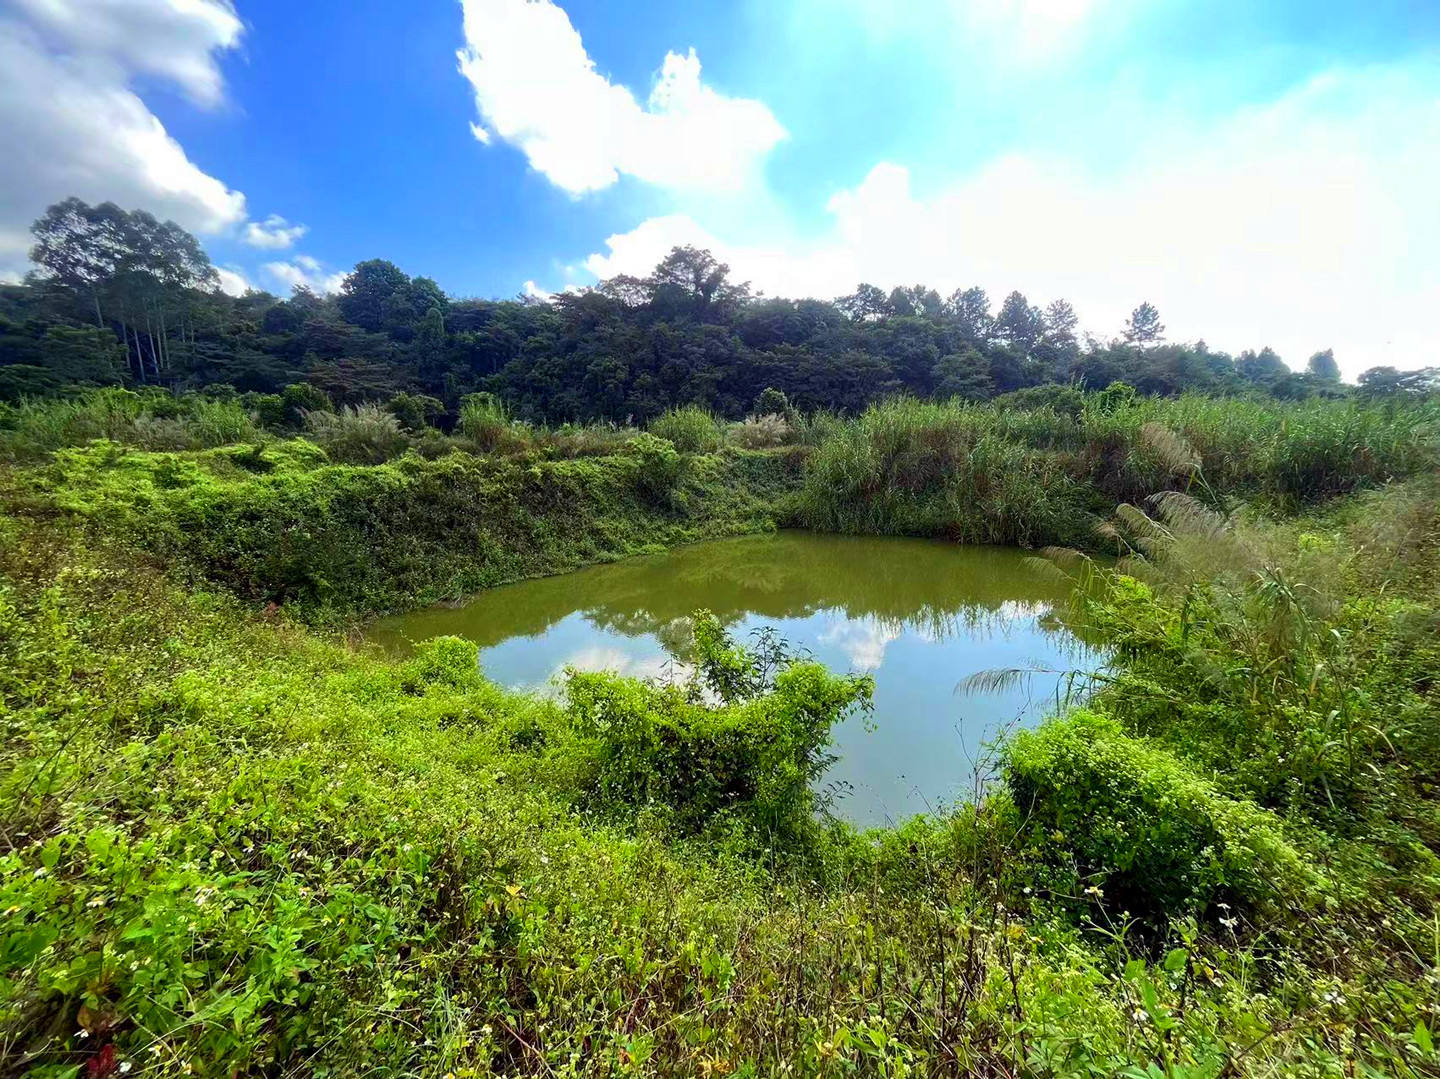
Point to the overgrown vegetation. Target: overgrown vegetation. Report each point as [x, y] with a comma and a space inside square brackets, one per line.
[231, 845]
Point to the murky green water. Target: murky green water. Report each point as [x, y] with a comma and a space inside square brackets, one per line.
[918, 615]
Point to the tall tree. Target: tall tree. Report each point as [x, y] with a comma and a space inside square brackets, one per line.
[1019, 322]
[866, 304]
[1261, 367]
[133, 268]
[370, 290]
[1143, 327]
[80, 246]
[969, 310]
[1322, 365]
[694, 280]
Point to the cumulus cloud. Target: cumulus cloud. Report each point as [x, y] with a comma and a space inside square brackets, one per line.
[863, 641]
[174, 39]
[273, 234]
[537, 88]
[72, 125]
[303, 270]
[638, 251]
[232, 281]
[1305, 224]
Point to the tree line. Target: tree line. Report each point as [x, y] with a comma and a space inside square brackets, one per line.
[118, 297]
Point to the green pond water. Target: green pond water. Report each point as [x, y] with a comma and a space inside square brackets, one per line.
[917, 615]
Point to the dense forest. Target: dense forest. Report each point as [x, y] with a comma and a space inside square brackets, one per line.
[120, 298]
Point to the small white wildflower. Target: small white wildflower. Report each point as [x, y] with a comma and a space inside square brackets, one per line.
[408, 847]
[82, 1033]
[42, 872]
[1229, 923]
[124, 1066]
[98, 901]
[1027, 890]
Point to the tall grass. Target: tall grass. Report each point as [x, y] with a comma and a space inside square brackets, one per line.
[486, 425]
[989, 473]
[358, 434]
[692, 429]
[153, 421]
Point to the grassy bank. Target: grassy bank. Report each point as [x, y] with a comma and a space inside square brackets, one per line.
[306, 522]
[280, 524]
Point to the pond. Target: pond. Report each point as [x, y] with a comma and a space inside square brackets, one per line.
[918, 615]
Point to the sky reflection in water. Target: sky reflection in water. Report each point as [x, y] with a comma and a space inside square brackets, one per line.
[917, 615]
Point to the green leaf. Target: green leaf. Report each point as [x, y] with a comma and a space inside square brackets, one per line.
[1422, 1037]
[1175, 960]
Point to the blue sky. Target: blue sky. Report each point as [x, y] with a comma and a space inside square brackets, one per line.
[1263, 172]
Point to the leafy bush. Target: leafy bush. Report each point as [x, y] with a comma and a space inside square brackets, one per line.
[415, 411]
[300, 398]
[691, 429]
[1112, 813]
[1065, 400]
[773, 402]
[752, 757]
[266, 409]
[661, 468]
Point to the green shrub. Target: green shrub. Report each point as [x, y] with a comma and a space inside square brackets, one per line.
[1064, 400]
[266, 409]
[773, 402]
[415, 411]
[691, 429]
[752, 757]
[300, 398]
[1108, 812]
[217, 421]
[661, 468]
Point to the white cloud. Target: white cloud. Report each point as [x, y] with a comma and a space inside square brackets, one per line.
[232, 281]
[307, 271]
[174, 39]
[863, 641]
[638, 251]
[273, 234]
[537, 88]
[535, 292]
[71, 125]
[1306, 224]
